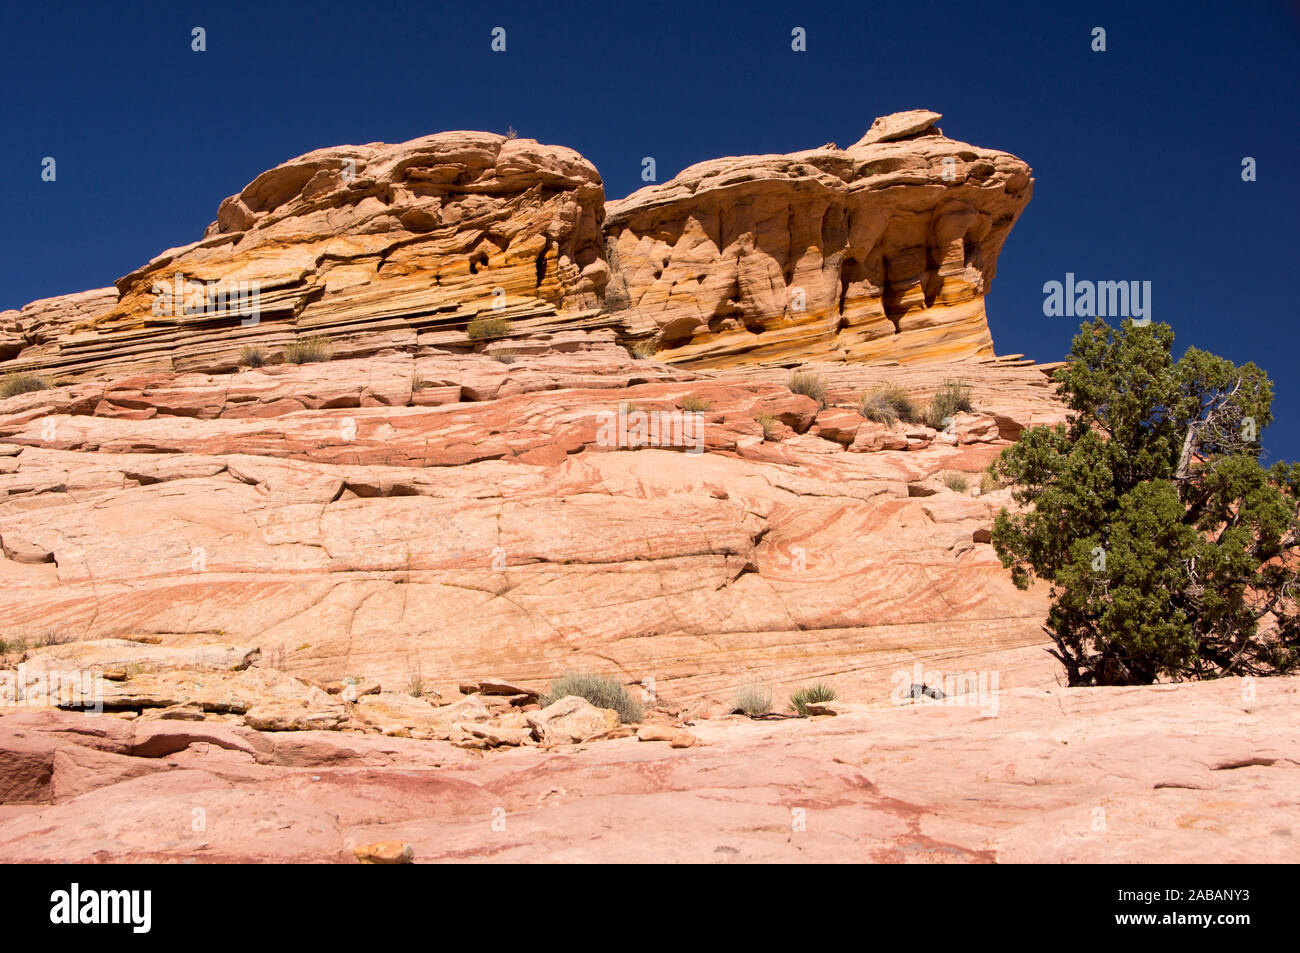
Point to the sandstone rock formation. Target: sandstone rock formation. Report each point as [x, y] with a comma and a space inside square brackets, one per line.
[376, 246]
[880, 251]
[1190, 773]
[299, 581]
[340, 521]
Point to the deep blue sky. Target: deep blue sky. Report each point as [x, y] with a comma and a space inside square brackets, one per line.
[1137, 151]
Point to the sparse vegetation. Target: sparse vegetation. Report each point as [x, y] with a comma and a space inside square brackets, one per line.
[952, 398]
[309, 350]
[888, 404]
[694, 404]
[418, 383]
[753, 700]
[801, 699]
[20, 382]
[645, 349]
[769, 424]
[957, 482]
[414, 680]
[52, 637]
[601, 690]
[810, 385]
[12, 645]
[505, 356]
[252, 357]
[989, 481]
[511, 133]
[487, 328]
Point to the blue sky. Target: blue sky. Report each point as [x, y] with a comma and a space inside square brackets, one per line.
[1137, 151]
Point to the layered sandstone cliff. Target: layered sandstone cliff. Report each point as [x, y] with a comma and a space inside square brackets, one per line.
[425, 499]
[321, 599]
[376, 247]
[879, 252]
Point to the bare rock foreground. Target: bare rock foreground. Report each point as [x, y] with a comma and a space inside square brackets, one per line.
[320, 598]
[1184, 773]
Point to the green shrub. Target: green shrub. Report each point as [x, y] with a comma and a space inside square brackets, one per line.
[888, 404]
[952, 398]
[694, 405]
[1172, 553]
[252, 357]
[20, 382]
[801, 699]
[487, 328]
[769, 424]
[308, 350]
[810, 385]
[601, 690]
[957, 482]
[753, 700]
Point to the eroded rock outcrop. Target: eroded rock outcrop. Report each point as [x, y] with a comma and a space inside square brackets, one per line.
[346, 521]
[1190, 773]
[376, 247]
[880, 251]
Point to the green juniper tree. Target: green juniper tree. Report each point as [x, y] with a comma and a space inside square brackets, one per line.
[1171, 552]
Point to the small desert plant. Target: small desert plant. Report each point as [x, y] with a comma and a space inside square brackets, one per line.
[418, 382]
[252, 357]
[505, 356]
[510, 133]
[645, 349]
[768, 423]
[414, 680]
[800, 700]
[20, 382]
[52, 637]
[694, 404]
[989, 482]
[957, 482]
[753, 700]
[953, 397]
[888, 404]
[487, 328]
[308, 350]
[601, 690]
[810, 385]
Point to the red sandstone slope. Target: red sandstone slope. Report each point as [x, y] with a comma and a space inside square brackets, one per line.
[287, 584]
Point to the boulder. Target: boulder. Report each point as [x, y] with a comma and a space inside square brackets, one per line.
[389, 709]
[385, 852]
[292, 716]
[570, 720]
[676, 737]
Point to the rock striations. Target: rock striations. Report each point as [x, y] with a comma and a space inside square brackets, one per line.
[882, 251]
[318, 505]
[879, 252]
[458, 503]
